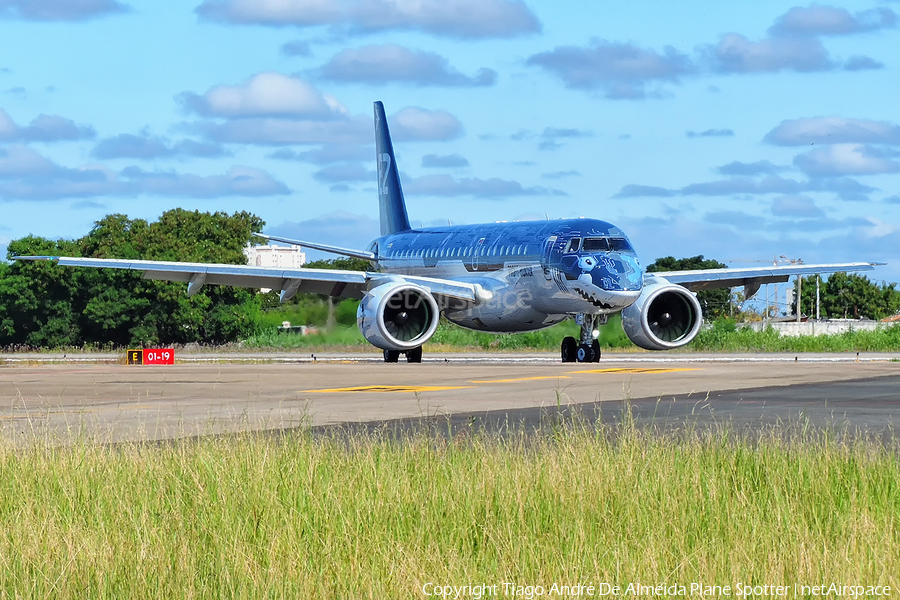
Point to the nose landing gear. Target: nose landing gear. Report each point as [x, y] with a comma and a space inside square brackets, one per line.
[588, 350]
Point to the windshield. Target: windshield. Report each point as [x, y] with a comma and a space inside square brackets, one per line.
[619, 244]
[595, 245]
[606, 244]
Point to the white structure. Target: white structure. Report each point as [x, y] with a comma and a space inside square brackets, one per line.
[275, 256]
[826, 327]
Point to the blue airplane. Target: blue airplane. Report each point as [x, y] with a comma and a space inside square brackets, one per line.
[497, 277]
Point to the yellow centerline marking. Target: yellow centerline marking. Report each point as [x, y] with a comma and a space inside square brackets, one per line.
[387, 388]
[519, 379]
[634, 370]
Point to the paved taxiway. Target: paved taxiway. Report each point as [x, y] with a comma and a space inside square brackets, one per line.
[112, 402]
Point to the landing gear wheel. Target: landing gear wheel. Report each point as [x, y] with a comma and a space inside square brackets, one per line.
[414, 355]
[585, 353]
[596, 348]
[391, 356]
[568, 349]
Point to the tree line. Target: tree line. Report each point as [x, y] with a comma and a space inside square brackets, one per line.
[45, 305]
[841, 295]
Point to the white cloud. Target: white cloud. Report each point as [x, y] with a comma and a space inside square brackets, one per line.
[833, 130]
[265, 95]
[145, 146]
[452, 18]
[17, 160]
[444, 161]
[420, 124]
[59, 10]
[356, 130]
[844, 187]
[43, 128]
[445, 185]
[409, 124]
[760, 167]
[27, 175]
[844, 159]
[329, 154]
[830, 20]
[711, 133]
[388, 63]
[736, 54]
[621, 69]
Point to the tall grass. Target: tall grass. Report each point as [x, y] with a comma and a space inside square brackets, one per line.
[367, 517]
[448, 337]
[724, 336]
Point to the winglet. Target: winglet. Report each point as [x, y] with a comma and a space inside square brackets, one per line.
[391, 205]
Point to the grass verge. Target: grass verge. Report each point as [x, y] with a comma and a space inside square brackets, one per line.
[368, 517]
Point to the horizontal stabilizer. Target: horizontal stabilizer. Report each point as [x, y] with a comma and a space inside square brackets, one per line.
[364, 254]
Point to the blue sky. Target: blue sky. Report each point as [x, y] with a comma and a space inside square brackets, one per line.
[741, 131]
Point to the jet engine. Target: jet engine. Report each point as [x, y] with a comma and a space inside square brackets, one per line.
[665, 316]
[397, 316]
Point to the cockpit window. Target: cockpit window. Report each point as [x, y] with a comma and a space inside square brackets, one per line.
[573, 245]
[619, 244]
[595, 245]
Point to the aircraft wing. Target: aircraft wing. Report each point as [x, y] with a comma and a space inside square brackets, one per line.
[752, 278]
[330, 282]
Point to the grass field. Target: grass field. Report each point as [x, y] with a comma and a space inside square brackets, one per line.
[723, 336]
[366, 517]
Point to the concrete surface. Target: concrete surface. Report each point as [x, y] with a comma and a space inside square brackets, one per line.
[112, 402]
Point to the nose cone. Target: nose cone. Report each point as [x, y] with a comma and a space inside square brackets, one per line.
[613, 272]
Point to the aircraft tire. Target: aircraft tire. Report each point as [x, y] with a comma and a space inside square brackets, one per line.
[414, 355]
[585, 353]
[568, 349]
[596, 348]
[391, 356]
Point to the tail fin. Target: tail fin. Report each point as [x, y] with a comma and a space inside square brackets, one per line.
[391, 205]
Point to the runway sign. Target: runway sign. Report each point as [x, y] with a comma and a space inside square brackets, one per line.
[159, 356]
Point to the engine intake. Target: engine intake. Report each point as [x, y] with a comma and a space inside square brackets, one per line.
[665, 316]
[397, 316]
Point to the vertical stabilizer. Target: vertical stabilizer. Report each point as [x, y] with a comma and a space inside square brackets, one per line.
[391, 205]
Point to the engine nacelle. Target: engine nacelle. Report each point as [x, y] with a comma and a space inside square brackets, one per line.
[397, 316]
[665, 316]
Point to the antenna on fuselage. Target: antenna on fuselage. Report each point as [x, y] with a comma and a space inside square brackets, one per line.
[547, 216]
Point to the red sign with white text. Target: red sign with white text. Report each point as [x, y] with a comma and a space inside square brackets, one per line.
[157, 356]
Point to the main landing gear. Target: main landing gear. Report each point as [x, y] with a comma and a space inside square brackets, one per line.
[587, 349]
[412, 356]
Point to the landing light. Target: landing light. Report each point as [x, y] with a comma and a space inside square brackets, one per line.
[595, 333]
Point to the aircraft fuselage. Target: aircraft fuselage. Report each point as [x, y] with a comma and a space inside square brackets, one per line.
[538, 272]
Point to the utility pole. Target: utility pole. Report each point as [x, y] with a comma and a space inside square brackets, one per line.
[817, 296]
[799, 288]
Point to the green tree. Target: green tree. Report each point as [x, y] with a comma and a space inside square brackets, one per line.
[36, 297]
[715, 303]
[852, 296]
[43, 304]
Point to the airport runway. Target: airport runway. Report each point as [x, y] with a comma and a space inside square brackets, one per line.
[111, 402]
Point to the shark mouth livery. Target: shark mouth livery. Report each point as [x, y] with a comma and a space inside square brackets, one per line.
[497, 277]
